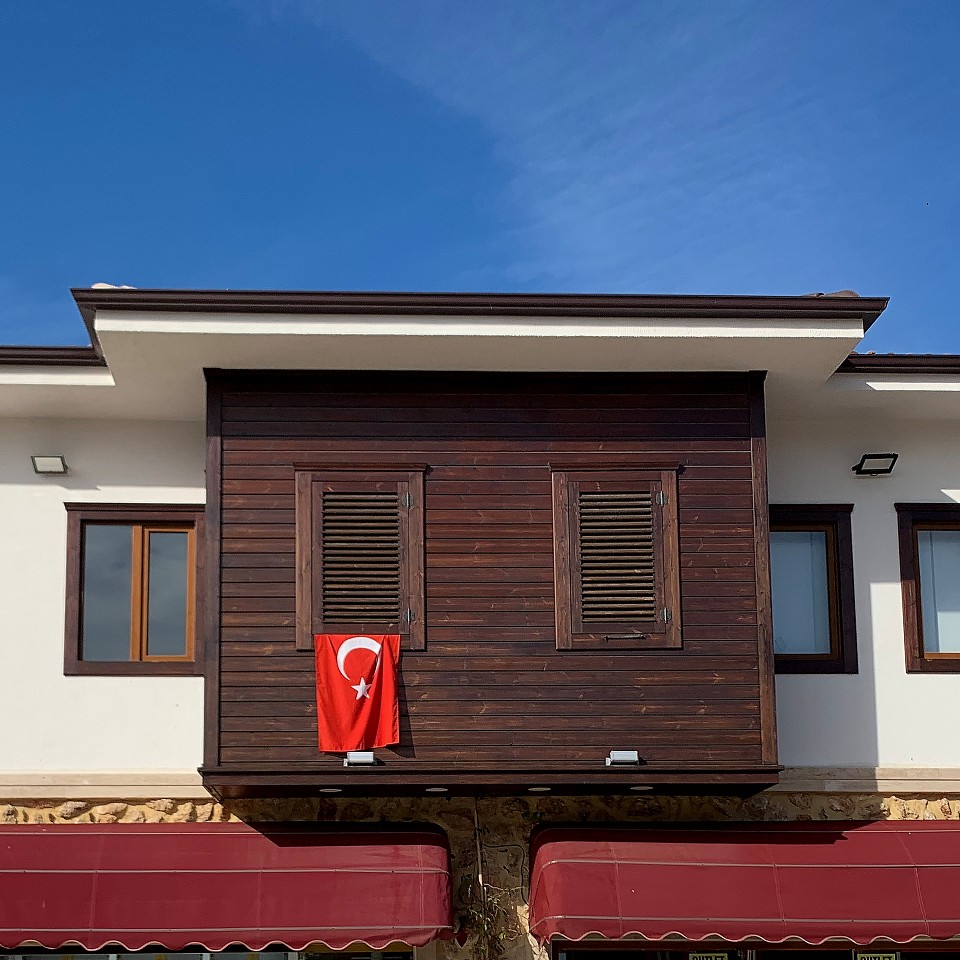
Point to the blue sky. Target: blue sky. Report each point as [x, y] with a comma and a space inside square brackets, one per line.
[730, 146]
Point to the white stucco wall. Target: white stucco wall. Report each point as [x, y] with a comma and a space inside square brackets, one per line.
[881, 716]
[49, 721]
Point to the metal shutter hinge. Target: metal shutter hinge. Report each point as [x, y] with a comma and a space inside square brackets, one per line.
[661, 498]
[407, 500]
[409, 616]
[665, 613]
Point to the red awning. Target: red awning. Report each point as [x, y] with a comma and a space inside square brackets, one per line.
[221, 883]
[814, 882]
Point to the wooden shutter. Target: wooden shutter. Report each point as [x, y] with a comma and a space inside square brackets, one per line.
[359, 580]
[615, 557]
[360, 554]
[618, 578]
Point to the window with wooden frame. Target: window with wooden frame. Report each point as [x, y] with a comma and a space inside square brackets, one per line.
[616, 558]
[359, 551]
[811, 575]
[930, 584]
[131, 589]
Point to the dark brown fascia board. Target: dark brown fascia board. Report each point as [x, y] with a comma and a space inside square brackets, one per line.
[914, 364]
[51, 357]
[89, 356]
[810, 308]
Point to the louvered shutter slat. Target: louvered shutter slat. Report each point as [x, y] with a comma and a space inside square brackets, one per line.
[617, 565]
[360, 540]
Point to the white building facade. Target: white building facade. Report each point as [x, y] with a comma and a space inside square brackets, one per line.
[874, 739]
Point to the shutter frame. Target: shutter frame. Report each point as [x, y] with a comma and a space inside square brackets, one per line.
[408, 487]
[599, 628]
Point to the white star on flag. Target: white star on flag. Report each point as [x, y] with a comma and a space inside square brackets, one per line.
[362, 687]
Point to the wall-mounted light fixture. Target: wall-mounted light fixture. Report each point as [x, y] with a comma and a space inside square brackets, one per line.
[360, 758]
[49, 464]
[622, 758]
[876, 464]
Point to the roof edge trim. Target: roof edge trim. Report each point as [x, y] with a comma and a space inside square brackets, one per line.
[930, 364]
[51, 357]
[864, 309]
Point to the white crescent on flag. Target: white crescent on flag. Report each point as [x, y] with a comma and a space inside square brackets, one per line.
[359, 643]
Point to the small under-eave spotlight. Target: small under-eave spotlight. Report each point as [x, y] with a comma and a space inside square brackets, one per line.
[876, 464]
[360, 758]
[49, 464]
[622, 758]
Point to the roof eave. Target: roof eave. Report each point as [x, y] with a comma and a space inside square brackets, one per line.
[906, 364]
[811, 308]
[51, 357]
[693, 307]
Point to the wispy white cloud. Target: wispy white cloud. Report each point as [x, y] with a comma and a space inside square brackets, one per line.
[659, 146]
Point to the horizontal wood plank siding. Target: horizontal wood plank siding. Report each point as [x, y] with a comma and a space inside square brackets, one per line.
[491, 687]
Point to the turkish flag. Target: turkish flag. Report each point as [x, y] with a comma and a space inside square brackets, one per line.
[357, 704]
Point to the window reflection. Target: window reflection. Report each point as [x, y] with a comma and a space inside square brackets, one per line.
[107, 571]
[799, 581]
[136, 599]
[167, 594]
[939, 554]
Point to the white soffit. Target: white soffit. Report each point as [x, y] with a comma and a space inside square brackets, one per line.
[918, 396]
[56, 376]
[71, 392]
[156, 359]
[428, 325]
[918, 383]
[882, 396]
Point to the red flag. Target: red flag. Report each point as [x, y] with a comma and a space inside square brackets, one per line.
[357, 705]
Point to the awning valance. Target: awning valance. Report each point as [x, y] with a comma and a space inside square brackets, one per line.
[219, 884]
[814, 882]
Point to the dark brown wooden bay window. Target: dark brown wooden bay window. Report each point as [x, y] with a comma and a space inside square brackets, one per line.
[811, 572]
[359, 566]
[318, 483]
[131, 589]
[616, 560]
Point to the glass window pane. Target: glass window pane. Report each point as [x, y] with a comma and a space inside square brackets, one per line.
[107, 568]
[801, 605]
[167, 595]
[940, 589]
